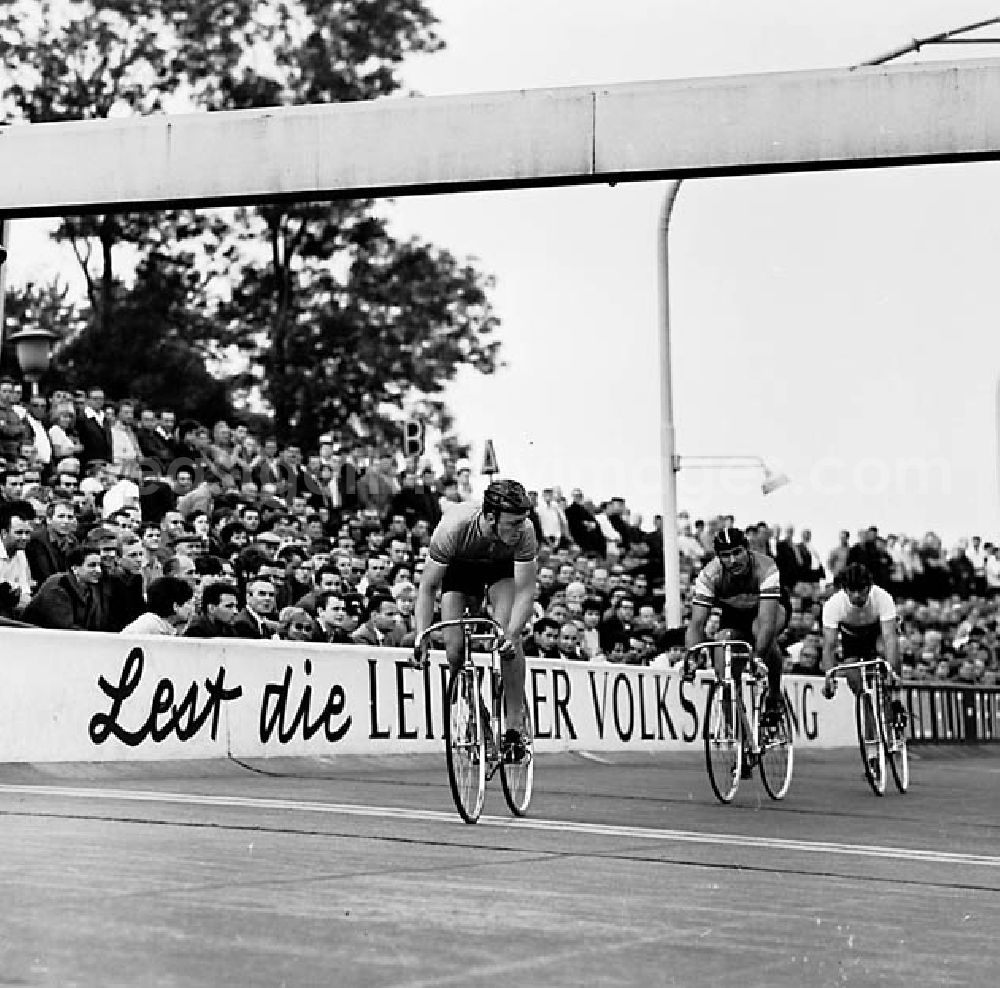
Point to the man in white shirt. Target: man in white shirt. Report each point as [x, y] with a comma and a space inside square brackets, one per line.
[549, 516]
[17, 520]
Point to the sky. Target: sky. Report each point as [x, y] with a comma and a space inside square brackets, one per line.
[839, 325]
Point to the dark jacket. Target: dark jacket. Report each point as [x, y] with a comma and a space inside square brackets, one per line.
[245, 626]
[62, 602]
[45, 558]
[202, 626]
[96, 439]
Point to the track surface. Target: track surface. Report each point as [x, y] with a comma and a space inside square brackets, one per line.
[627, 872]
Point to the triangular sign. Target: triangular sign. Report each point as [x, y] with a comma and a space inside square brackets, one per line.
[489, 458]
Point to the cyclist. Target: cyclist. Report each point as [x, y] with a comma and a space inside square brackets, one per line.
[479, 552]
[745, 585]
[859, 613]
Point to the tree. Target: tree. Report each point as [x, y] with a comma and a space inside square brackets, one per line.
[337, 320]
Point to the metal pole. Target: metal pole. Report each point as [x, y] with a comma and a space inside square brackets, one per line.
[668, 454]
[4, 236]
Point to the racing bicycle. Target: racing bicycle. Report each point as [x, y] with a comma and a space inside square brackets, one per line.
[474, 731]
[735, 741]
[881, 739]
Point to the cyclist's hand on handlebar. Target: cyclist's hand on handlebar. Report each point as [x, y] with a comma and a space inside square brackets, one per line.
[419, 658]
[829, 687]
[505, 647]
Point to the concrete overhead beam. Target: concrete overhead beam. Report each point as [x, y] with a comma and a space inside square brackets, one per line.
[890, 115]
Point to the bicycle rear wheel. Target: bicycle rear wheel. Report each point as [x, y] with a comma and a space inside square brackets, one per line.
[518, 778]
[777, 755]
[870, 742]
[895, 746]
[723, 741]
[465, 746]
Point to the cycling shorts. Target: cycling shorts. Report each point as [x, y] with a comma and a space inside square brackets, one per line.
[474, 578]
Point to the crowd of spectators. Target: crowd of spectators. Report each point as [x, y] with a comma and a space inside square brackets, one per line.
[121, 518]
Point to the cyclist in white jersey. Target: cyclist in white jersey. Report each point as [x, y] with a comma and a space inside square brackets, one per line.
[479, 552]
[857, 615]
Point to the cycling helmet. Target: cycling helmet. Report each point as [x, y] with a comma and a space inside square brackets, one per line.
[508, 496]
[727, 539]
[856, 576]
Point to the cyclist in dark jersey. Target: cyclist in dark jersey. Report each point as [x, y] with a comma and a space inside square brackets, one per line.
[745, 586]
[479, 552]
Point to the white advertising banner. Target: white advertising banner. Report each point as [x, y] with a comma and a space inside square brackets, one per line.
[79, 696]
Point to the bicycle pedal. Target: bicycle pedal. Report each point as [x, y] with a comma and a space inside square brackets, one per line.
[746, 771]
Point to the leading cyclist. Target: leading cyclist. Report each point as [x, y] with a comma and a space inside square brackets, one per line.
[745, 585]
[860, 613]
[486, 551]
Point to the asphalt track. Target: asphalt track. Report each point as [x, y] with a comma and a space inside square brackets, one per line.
[347, 872]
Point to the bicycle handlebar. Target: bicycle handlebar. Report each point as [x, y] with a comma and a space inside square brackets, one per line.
[862, 665]
[737, 649]
[494, 631]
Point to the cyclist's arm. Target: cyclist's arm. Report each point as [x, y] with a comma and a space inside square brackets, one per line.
[430, 582]
[891, 641]
[695, 633]
[524, 598]
[829, 648]
[767, 625]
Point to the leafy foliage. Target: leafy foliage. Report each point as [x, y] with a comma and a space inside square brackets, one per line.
[337, 323]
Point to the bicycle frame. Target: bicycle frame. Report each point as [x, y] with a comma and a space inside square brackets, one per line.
[516, 777]
[733, 739]
[888, 748]
[752, 678]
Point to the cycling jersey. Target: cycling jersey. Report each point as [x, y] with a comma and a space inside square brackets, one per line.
[458, 537]
[738, 596]
[475, 561]
[859, 626]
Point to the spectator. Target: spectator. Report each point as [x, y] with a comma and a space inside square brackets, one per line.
[378, 487]
[569, 643]
[17, 520]
[94, 429]
[63, 435]
[544, 641]
[169, 602]
[74, 599]
[617, 628]
[253, 620]
[155, 442]
[47, 549]
[296, 625]
[219, 604]
[380, 629]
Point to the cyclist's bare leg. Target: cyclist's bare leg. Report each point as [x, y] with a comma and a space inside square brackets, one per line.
[453, 605]
[511, 669]
[772, 656]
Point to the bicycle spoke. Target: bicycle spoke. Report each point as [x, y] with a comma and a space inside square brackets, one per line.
[777, 756]
[464, 745]
[723, 737]
[870, 742]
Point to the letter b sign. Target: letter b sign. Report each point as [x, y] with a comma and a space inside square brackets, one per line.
[413, 438]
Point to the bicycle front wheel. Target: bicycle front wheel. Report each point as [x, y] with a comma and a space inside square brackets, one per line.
[465, 746]
[723, 741]
[777, 755]
[894, 741]
[518, 778]
[870, 742]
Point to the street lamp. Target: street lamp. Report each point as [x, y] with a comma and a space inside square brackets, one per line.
[34, 353]
[773, 480]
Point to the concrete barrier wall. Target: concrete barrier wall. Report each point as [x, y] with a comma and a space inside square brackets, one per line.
[77, 696]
